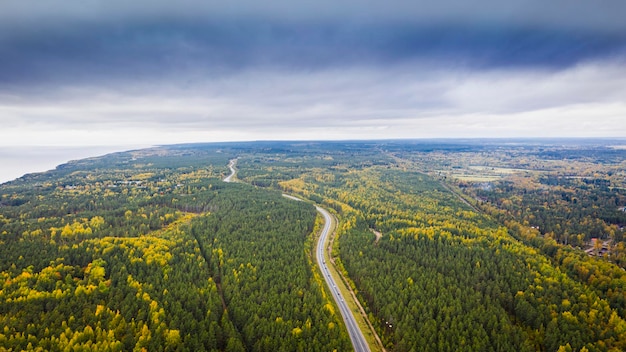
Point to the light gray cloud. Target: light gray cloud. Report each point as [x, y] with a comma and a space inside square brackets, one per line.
[503, 91]
[106, 72]
[358, 102]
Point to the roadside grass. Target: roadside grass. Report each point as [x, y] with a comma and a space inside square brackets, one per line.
[348, 295]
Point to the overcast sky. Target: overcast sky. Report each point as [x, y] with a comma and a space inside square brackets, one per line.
[119, 72]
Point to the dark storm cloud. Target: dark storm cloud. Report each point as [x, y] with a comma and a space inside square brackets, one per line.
[156, 71]
[82, 52]
[47, 39]
[595, 15]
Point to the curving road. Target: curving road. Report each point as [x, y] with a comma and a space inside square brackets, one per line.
[356, 336]
[358, 341]
[233, 171]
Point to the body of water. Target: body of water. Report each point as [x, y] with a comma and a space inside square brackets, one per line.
[18, 161]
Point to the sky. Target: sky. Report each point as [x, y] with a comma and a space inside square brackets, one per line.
[118, 72]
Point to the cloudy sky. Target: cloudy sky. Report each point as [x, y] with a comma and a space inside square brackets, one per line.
[119, 72]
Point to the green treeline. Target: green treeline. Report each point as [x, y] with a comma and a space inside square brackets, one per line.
[146, 256]
[451, 278]
[570, 210]
[150, 250]
[549, 223]
[256, 245]
[444, 277]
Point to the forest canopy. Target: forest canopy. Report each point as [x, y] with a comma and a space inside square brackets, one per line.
[448, 245]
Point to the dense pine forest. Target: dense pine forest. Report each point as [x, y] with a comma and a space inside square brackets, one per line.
[448, 246]
[137, 251]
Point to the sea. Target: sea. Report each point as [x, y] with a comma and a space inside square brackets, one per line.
[20, 160]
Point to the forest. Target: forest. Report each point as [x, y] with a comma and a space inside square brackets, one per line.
[449, 245]
[135, 252]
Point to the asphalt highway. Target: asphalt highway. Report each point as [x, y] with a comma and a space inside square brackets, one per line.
[358, 341]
